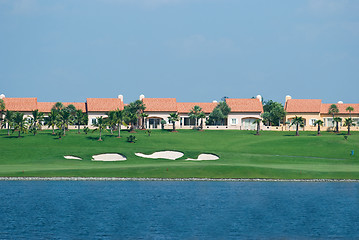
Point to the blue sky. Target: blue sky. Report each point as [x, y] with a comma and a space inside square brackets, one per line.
[194, 50]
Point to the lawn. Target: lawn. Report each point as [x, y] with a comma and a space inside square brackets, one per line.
[242, 155]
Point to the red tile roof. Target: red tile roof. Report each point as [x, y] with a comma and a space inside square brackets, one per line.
[103, 104]
[341, 107]
[160, 104]
[47, 106]
[185, 107]
[244, 104]
[20, 104]
[303, 105]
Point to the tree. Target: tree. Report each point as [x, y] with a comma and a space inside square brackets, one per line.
[173, 119]
[201, 116]
[215, 116]
[64, 118]
[297, 121]
[273, 113]
[119, 119]
[318, 123]
[163, 122]
[80, 119]
[2, 109]
[19, 123]
[8, 120]
[337, 120]
[101, 125]
[143, 117]
[350, 109]
[51, 120]
[36, 119]
[111, 120]
[134, 110]
[349, 122]
[195, 114]
[333, 109]
[258, 122]
[58, 106]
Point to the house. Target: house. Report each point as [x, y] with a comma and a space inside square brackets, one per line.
[184, 108]
[244, 111]
[23, 105]
[98, 107]
[312, 110]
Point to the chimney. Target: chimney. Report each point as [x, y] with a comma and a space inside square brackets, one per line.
[142, 97]
[287, 98]
[340, 102]
[214, 101]
[2, 96]
[259, 97]
[120, 97]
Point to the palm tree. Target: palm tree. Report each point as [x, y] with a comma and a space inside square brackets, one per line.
[64, 119]
[51, 120]
[337, 120]
[111, 120]
[201, 116]
[37, 117]
[58, 106]
[173, 118]
[194, 114]
[350, 109]
[258, 122]
[101, 125]
[349, 122]
[333, 109]
[119, 119]
[297, 121]
[8, 120]
[2, 109]
[319, 123]
[79, 119]
[19, 123]
[143, 117]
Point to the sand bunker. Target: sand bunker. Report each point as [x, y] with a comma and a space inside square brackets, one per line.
[72, 157]
[171, 155]
[108, 157]
[204, 157]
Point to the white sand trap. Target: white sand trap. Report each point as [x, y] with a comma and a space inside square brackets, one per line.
[72, 157]
[108, 157]
[204, 157]
[171, 155]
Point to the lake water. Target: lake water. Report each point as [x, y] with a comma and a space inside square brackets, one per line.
[178, 210]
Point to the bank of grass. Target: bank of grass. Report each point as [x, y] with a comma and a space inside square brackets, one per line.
[242, 155]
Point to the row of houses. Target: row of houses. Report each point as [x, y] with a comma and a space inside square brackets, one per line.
[244, 111]
[314, 109]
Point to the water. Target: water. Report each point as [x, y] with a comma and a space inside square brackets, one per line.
[178, 210]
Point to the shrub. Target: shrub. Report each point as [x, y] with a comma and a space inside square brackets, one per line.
[131, 139]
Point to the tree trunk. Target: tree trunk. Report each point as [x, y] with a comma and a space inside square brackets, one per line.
[349, 129]
[258, 128]
[174, 127]
[19, 133]
[64, 130]
[297, 130]
[100, 139]
[8, 129]
[78, 129]
[318, 129]
[337, 127]
[53, 130]
[119, 130]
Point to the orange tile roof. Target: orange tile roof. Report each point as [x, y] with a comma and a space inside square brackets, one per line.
[47, 106]
[160, 104]
[185, 107]
[341, 107]
[103, 104]
[20, 104]
[303, 105]
[244, 104]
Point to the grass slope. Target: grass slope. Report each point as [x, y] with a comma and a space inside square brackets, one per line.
[242, 155]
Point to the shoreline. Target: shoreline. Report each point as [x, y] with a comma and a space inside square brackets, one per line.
[171, 179]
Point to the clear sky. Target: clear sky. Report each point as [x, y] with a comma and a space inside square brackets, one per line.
[194, 50]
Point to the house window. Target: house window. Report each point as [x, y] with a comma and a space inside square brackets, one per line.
[312, 121]
[93, 120]
[234, 121]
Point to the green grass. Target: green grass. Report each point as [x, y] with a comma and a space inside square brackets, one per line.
[242, 155]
